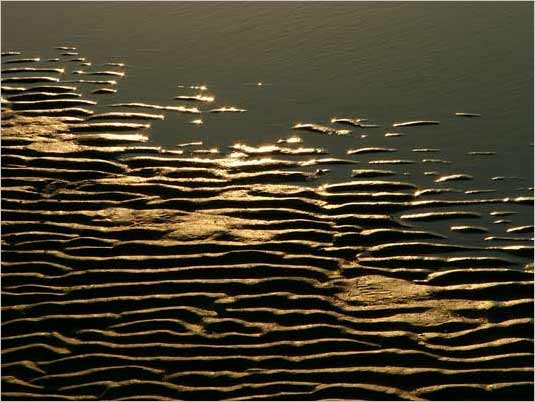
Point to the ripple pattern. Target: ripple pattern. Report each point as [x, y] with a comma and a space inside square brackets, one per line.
[134, 272]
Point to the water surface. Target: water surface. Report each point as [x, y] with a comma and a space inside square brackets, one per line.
[128, 260]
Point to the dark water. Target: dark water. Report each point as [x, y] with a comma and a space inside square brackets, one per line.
[387, 62]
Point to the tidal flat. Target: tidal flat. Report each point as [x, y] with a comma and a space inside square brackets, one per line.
[255, 235]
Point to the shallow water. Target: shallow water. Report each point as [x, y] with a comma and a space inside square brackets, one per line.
[387, 62]
[367, 247]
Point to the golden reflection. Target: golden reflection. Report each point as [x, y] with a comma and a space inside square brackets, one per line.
[199, 97]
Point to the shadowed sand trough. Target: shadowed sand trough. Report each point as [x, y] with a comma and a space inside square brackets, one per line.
[134, 272]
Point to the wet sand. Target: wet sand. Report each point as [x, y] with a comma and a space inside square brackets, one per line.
[133, 271]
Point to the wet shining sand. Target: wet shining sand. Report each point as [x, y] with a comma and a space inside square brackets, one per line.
[131, 271]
